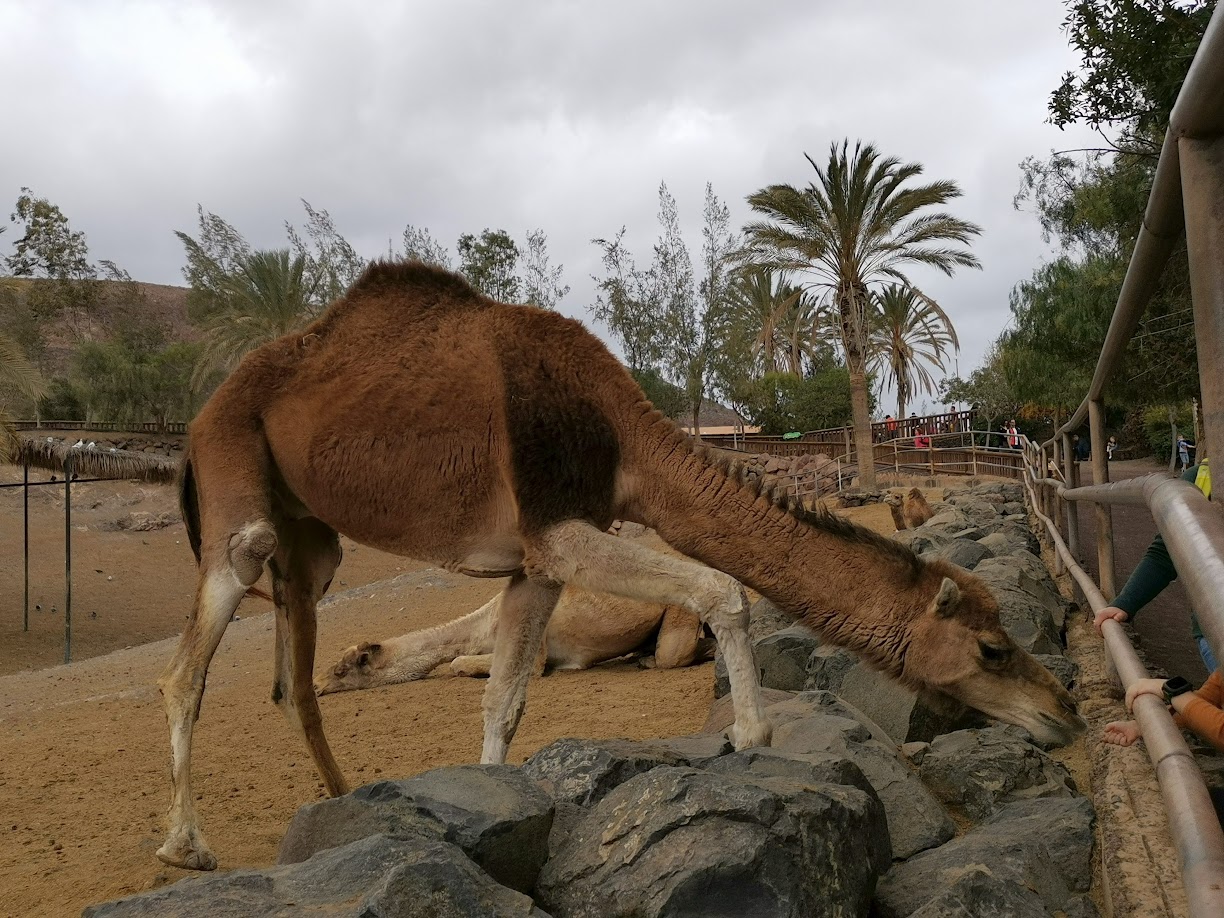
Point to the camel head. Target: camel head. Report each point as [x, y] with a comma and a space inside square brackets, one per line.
[361, 666]
[958, 652]
[893, 499]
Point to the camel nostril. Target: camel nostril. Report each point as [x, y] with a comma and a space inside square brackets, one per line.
[1070, 706]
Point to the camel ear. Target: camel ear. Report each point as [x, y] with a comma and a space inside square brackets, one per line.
[947, 598]
[365, 652]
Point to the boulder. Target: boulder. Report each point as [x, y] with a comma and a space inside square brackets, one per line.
[827, 667]
[1014, 849]
[585, 771]
[815, 768]
[979, 771]
[980, 893]
[765, 618]
[495, 813]
[415, 876]
[921, 540]
[904, 716]
[963, 552]
[722, 712]
[1012, 535]
[781, 658]
[1066, 671]
[916, 820]
[683, 842]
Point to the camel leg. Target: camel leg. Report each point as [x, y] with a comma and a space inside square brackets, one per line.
[679, 642]
[522, 618]
[578, 553]
[302, 570]
[226, 570]
[475, 665]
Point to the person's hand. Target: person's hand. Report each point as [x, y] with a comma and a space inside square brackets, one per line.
[1121, 733]
[1109, 612]
[1144, 687]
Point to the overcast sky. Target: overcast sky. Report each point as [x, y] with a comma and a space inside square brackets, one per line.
[560, 115]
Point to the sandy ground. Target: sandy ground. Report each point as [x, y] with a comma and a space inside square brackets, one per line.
[84, 767]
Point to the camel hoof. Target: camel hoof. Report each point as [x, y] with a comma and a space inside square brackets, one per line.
[744, 738]
[187, 849]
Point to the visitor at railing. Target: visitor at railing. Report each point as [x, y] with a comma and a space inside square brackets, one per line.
[1201, 711]
[1013, 435]
[1153, 573]
[921, 440]
[1081, 448]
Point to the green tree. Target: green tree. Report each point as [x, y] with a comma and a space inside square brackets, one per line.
[17, 376]
[419, 244]
[541, 282]
[910, 336]
[781, 403]
[267, 295]
[629, 302]
[212, 258]
[988, 390]
[490, 263]
[668, 398]
[332, 264]
[859, 224]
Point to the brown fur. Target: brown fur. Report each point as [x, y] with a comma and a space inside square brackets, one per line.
[421, 418]
[586, 629]
[916, 509]
[894, 507]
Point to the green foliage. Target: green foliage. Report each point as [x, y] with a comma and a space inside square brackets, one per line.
[988, 390]
[668, 398]
[541, 281]
[332, 264]
[1158, 432]
[132, 381]
[48, 246]
[490, 263]
[780, 402]
[419, 244]
[910, 335]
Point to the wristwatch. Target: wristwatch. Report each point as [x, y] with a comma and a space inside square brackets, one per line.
[1174, 687]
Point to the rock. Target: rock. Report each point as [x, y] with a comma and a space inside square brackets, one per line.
[814, 768]
[376, 877]
[765, 618]
[1015, 535]
[1066, 671]
[782, 657]
[722, 712]
[1026, 618]
[921, 540]
[903, 716]
[980, 893]
[826, 668]
[1024, 847]
[963, 552]
[948, 522]
[682, 842]
[1024, 571]
[495, 813]
[916, 820]
[585, 771]
[698, 750]
[978, 771]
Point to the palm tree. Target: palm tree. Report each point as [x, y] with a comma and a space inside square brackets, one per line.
[910, 334]
[858, 224]
[758, 305]
[269, 294]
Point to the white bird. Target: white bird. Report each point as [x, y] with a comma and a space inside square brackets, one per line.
[50, 439]
[78, 444]
[113, 450]
[90, 445]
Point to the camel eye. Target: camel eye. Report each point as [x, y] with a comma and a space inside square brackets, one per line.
[992, 654]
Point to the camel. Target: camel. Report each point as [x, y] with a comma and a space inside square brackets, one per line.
[916, 509]
[585, 629]
[419, 417]
[893, 500]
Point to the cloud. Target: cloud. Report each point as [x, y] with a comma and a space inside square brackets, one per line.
[557, 115]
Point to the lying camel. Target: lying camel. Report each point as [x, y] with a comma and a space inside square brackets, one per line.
[916, 509]
[421, 418]
[893, 500]
[585, 629]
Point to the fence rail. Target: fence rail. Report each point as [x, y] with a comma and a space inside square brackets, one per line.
[1187, 196]
[171, 427]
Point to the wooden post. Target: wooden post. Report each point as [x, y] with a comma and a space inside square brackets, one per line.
[1070, 469]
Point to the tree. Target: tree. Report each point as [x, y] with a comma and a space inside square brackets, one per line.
[211, 259]
[757, 305]
[910, 335]
[490, 263]
[628, 301]
[988, 389]
[267, 295]
[332, 264]
[19, 375]
[541, 282]
[857, 225]
[421, 245]
[781, 403]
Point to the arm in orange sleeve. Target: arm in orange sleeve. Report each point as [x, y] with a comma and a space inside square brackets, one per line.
[1202, 712]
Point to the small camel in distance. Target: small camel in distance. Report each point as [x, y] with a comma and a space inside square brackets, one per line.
[909, 512]
[421, 418]
[585, 629]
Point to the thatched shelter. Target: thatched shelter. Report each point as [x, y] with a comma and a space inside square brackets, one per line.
[42, 453]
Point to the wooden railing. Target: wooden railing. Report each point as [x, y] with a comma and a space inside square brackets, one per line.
[170, 427]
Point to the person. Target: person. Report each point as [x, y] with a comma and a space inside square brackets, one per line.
[1083, 451]
[1153, 573]
[1183, 452]
[1110, 446]
[890, 424]
[921, 440]
[1013, 435]
[1201, 711]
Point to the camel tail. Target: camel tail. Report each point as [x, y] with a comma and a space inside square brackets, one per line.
[189, 505]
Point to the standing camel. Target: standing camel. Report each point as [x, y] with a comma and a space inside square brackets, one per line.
[421, 418]
[585, 629]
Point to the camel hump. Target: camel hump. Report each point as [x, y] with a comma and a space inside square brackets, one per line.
[383, 276]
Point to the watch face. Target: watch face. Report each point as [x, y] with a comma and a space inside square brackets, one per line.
[1176, 686]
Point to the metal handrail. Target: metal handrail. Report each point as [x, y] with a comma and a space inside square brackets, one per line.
[1191, 528]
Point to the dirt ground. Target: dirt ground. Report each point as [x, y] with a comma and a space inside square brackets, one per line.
[84, 777]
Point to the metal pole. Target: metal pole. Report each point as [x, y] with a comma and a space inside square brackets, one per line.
[68, 560]
[1071, 474]
[25, 508]
[1104, 516]
[1202, 169]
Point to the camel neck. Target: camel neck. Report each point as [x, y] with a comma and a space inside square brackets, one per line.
[848, 585]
